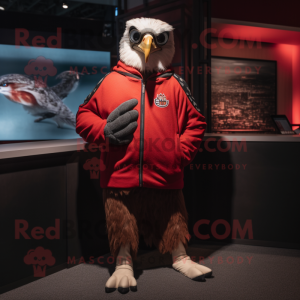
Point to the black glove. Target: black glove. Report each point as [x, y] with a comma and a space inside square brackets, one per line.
[121, 123]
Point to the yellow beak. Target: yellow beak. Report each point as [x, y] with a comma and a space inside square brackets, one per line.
[146, 44]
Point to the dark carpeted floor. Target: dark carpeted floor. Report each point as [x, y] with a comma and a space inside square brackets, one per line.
[240, 272]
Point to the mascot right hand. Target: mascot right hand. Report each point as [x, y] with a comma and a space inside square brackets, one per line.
[121, 123]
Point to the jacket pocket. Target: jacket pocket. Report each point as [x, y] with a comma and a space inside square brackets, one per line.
[178, 151]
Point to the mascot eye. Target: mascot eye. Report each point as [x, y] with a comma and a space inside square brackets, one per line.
[4, 84]
[134, 36]
[162, 38]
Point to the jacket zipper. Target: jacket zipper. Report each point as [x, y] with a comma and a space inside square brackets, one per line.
[142, 133]
[141, 153]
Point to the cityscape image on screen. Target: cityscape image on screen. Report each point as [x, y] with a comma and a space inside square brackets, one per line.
[243, 95]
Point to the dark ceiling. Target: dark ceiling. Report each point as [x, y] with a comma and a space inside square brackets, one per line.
[76, 9]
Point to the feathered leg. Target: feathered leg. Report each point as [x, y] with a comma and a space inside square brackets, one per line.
[169, 231]
[175, 238]
[120, 221]
[123, 277]
[123, 238]
[169, 219]
[186, 266]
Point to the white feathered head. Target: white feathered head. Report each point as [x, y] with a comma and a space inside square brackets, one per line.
[147, 44]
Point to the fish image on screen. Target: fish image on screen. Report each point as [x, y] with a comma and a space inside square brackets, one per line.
[243, 95]
[42, 88]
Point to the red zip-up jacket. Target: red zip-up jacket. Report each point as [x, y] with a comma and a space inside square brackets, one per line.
[168, 136]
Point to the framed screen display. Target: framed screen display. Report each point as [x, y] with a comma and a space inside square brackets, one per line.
[42, 88]
[243, 96]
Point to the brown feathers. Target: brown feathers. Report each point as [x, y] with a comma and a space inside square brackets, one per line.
[158, 214]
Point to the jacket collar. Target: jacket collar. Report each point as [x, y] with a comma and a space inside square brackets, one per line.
[123, 68]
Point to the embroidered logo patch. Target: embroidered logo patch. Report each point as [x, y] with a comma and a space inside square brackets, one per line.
[161, 100]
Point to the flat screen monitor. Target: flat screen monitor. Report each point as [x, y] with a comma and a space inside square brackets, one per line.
[243, 95]
[35, 83]
[282, 123]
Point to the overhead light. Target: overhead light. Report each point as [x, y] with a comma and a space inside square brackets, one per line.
[2, 8]
[65, 6]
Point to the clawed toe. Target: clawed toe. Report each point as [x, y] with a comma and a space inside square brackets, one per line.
[205, 270]
[109, 290]
[123, 290]
[208, 275]
[199, 278]
[133, 288]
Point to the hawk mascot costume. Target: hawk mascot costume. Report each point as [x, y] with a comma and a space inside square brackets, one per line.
[148, 117]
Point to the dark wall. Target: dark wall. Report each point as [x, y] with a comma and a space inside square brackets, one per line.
[257, 182]
[284, 13]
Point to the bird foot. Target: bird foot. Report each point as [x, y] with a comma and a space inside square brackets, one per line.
[184, 265]
[122, 279]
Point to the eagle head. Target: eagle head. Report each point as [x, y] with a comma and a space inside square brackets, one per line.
[147, 44]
